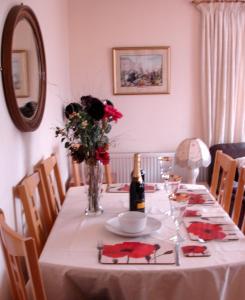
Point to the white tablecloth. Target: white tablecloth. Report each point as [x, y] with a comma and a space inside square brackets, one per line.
[71, 270]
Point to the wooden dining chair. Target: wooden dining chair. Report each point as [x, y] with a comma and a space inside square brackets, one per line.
[53, 185]
[239, 198]
[16, 249]
[108, 174]
[76, 177]
[222, 179]
[38, 215]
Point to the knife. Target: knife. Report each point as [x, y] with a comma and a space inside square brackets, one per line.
[177, 263]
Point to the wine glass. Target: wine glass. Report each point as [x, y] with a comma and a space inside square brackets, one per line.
[178, 204]
[165, 163]
[177, 211]
[172, 185]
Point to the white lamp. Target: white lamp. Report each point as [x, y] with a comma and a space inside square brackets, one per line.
[192, 153]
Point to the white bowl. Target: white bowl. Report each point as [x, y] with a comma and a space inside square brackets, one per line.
[132, 221]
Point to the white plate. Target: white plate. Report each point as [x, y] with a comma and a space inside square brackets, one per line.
[152, 224]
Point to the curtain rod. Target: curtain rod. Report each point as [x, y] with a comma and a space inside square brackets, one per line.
[216, 1]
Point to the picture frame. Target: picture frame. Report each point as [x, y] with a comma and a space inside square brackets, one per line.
[141, 70]
[20, 73]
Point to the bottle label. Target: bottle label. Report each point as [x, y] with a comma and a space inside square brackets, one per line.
[141, 205]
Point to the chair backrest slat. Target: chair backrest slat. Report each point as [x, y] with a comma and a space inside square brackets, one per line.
[52, 182]
[239, 198]
[222, 179]
[76, 178]
[28, 190]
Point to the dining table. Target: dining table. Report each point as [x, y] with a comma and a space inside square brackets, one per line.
[75, 265]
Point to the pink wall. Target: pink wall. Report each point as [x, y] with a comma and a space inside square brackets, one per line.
[151, 122]
[21, 151]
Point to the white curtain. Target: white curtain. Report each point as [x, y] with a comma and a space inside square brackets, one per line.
[222, 69]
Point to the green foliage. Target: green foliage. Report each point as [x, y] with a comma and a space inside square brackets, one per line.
[82, 130]
[86, 129]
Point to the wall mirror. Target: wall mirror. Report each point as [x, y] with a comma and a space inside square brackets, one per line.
[23, 68]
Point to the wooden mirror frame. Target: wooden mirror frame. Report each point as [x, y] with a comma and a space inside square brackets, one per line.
[15, 15]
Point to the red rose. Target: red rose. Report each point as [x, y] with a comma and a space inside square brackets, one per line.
[111, 112]
[102, 155]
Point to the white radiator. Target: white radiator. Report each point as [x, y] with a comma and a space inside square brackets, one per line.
[122, 165]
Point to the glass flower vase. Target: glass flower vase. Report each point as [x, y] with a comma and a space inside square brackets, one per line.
[94, 180]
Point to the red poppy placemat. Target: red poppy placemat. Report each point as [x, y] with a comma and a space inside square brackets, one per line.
[203, 199]
[192, 213]
[136, 253]
[195, 251]
[198, 230]
[210, 213]
[124, 188]
[193, 189]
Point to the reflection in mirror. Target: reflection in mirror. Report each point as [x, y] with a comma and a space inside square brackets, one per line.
[25, 69]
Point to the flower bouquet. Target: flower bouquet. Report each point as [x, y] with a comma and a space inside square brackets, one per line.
[85, 137]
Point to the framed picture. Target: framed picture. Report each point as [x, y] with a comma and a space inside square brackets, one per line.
[20, 73]
[141, 70]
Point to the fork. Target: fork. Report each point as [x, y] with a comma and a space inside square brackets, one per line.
[100, 246]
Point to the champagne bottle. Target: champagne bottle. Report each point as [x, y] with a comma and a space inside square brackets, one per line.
[137, 189]
[142, 172]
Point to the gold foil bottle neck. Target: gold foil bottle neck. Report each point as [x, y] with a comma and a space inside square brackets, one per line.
[136, 171]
